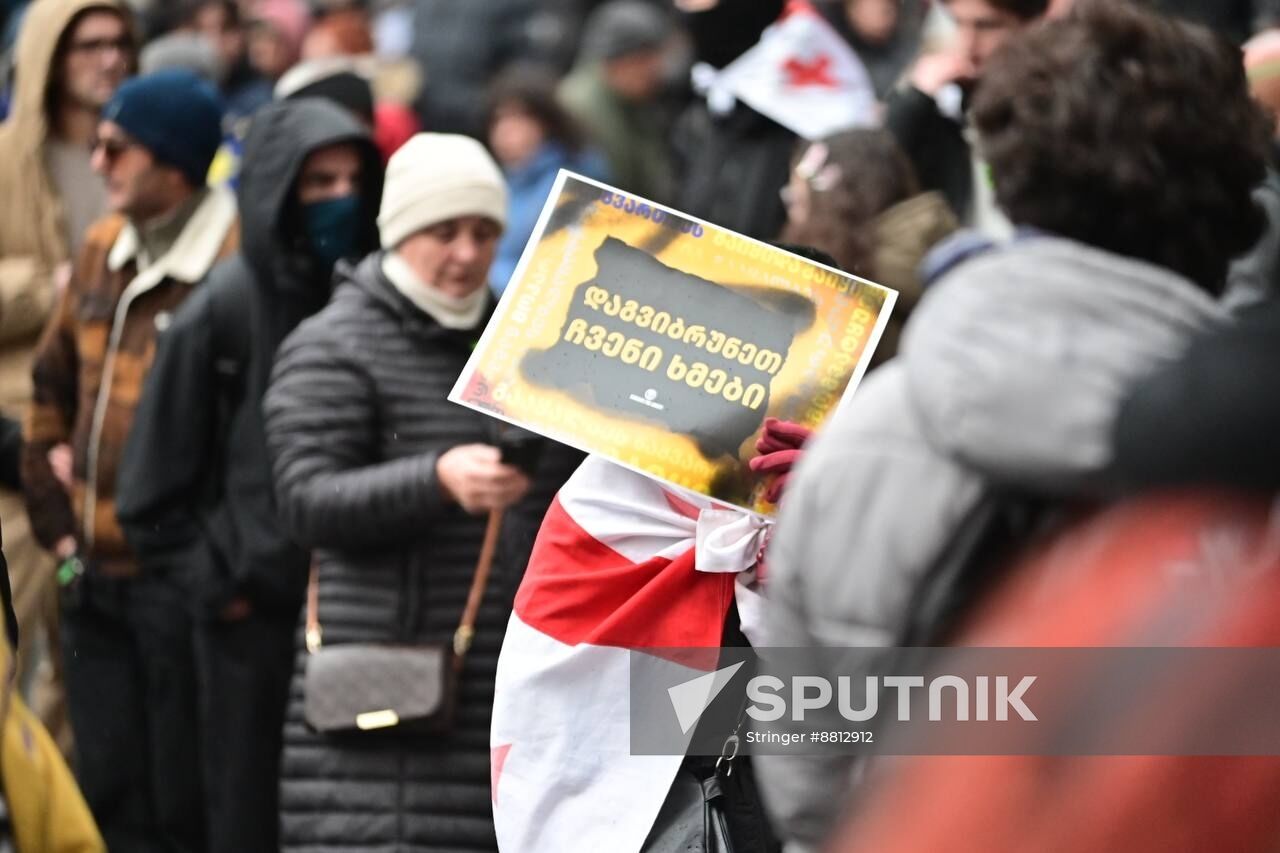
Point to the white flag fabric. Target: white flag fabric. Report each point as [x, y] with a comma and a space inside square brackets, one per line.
[804, 76]
[614, 569]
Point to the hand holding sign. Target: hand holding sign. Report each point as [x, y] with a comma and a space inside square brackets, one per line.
[780, 448]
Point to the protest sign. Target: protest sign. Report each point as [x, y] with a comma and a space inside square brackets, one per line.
[662, 342]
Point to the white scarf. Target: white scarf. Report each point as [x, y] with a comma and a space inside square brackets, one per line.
[449, 311]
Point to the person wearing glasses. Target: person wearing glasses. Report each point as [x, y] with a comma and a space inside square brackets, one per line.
[72, 55]
[126, 635]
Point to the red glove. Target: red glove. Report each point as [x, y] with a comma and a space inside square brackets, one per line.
[779, 446]
[782, 435]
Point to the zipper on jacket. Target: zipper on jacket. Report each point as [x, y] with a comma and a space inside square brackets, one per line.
[140, 285]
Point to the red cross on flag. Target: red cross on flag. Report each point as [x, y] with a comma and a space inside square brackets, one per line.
[804, 76]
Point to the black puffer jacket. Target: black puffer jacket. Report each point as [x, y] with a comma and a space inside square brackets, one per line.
[356, 417]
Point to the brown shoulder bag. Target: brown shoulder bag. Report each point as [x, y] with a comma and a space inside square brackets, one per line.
[368, 687]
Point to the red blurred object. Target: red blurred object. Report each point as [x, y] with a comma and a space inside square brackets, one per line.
[342, 32]
[1205, 569]
[393, 125]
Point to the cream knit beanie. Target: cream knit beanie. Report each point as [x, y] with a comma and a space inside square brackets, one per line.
[439, 176]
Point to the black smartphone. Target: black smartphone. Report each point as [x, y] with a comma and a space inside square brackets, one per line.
[521, 449]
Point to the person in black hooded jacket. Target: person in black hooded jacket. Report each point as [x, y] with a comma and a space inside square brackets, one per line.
[195, 492]
[732, 162]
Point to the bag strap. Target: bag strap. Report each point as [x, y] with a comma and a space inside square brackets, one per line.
[463, 636]
[977, 553]
[312, 632]
[466, 628]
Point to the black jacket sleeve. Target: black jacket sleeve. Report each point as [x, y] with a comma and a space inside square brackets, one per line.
[165, 474]
[6, 604]
[332, 488]
[10, 453]
[933, 143]
[1212, 417]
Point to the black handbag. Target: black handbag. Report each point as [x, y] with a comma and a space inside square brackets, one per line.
[714, 805]
[370, 687]
[693, 818]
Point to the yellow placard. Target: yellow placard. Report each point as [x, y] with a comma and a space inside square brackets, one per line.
[662, 342]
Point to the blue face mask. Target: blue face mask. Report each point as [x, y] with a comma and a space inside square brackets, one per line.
[331, 227]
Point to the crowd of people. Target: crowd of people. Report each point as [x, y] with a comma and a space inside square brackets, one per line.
[247, 247]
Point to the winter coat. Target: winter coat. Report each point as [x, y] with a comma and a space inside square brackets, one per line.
[460, 48]
[1012, 371]
[10, 453]
[528, 187]
[1255, 275]
[886, 62]
[34, 242]
[44, 811]
[632, 136]
[904, 234]
[934, 143]
[1211, 417]
[356, 417]
[1149, 572]
[194, 487]
[92, 360]
[733, 168]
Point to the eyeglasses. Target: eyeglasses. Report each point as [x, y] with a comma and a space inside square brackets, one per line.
[123, 44]
[112, 147]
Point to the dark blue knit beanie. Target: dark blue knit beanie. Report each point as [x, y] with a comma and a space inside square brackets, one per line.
[175, 115]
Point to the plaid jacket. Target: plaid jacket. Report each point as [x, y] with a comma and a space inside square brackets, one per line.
[91, 363]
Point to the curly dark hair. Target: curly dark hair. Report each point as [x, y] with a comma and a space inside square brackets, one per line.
[1130, 132]
[1024, 9]
[874, 174]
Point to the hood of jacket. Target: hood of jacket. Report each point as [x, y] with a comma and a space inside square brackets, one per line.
[40, 233]
[279, 140]
[42, 30]
[1017, 360]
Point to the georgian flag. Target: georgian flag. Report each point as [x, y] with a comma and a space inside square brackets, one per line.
[804, 76]
[621, 562]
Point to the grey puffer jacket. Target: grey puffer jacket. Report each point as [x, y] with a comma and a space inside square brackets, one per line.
[1012, 372]
[356, 416]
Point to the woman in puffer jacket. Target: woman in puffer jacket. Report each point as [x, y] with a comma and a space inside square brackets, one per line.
[390, 484]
